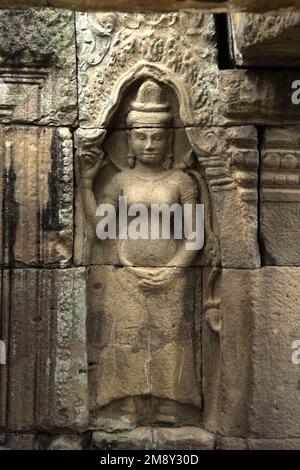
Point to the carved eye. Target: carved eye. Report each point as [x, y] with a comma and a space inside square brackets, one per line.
[157, 137]
[141, 136]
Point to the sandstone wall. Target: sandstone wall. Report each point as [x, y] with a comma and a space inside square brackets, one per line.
[66, 81]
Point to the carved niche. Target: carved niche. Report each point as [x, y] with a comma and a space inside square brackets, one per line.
[117, 48]
[144, 318]
[37, 66]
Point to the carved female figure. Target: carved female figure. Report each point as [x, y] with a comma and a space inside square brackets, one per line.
[144, 358]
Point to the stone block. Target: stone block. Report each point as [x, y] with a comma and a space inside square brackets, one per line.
[137, 439]
[21, 442]
[273, 444]
[45, 377]
[265, 40]
[258, 388]
[38, 67]
[118, 50]
[166, 5]
[257, 96]
[183, 438]
[232, 443]
[274, 405]
[145, 438]
[147, 328]
[220, 164]
[228, 159]
[36, 196]
[280, 196]
[66, 442]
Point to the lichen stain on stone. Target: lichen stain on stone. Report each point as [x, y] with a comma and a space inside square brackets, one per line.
[50, 214]
[11, 214]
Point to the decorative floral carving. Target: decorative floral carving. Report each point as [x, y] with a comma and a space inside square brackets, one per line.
[111, 44]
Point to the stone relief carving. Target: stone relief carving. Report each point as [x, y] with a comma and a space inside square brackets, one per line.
[113, 46]
[280, 202]
[37, 67]
[263, 40]
[222, 165]
[150, 98]
[179, 349]
[142, 338]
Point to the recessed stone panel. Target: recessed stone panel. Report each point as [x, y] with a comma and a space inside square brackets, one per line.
[280, 196]
[38, 67]
[45, 377]
[258, 388]
[36, 196]
[265, 40]
[258, 96]
[117, 50]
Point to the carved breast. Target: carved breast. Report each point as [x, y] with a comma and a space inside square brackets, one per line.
[150, 190]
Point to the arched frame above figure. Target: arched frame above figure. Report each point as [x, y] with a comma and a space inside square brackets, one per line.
[114, 49]
[223, 161]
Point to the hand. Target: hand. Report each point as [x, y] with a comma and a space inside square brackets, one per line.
[90, 164]
[150, 278]
[90, 153]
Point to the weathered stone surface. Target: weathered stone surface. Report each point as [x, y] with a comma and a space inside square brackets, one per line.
[112, 164]
[37, 67]
[214, 5]
[115, 168]
[146, 328]
[116, 50]
[229, 160]
[280, 196]
[36, 196]
[127, 5]
[21, 442]
[232, 443]
[258, 386]
[66, 442]
[173, 342]
[139, 438]
[211, 359]
[183, 438]
[260, 97]
[112, 251]
[45, 379]
[265, 40]
[274, 404]
[273, 444]
[227, 336]
[224, 170]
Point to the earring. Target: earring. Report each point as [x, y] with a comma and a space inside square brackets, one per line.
[131, 161]
[168, 161]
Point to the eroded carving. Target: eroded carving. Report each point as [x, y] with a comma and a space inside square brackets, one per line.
[115, 48]
[149, 332]
[280, 196]
[37, 67]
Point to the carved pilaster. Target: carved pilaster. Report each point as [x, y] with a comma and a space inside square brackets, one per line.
[280, 196]
[229, 159]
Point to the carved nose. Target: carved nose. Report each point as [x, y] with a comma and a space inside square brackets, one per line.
[149, 145]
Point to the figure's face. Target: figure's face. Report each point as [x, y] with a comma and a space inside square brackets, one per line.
[149, 145]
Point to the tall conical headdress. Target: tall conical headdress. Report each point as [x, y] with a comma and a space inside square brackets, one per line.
[150, 107]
